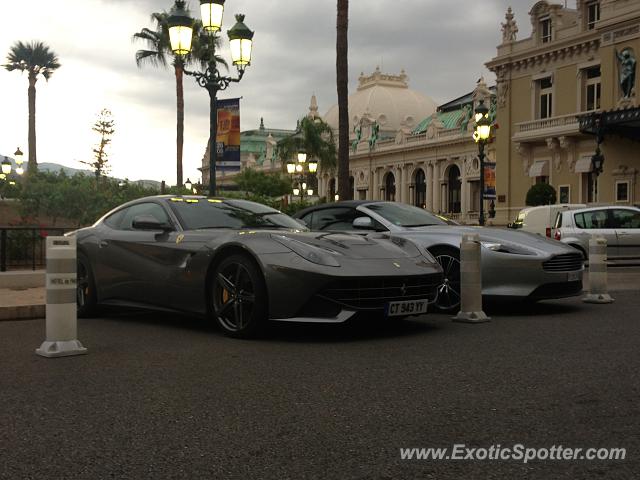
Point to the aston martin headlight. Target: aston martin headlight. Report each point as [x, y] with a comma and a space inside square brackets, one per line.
[308, 252]
[506, 248]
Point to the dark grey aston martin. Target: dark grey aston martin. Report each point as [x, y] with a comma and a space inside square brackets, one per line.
[243, 263]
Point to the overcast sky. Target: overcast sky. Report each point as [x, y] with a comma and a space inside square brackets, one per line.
[441, 44]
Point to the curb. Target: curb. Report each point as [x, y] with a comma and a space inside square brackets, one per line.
[22, 312]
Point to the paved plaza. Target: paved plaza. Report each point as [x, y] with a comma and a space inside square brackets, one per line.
[163, 396]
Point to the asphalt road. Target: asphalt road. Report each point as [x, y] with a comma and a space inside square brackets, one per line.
[160, 396]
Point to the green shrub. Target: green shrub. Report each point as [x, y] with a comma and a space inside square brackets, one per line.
[541, 194]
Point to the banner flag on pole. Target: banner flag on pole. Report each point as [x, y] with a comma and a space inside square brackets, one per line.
[489, 181]
[228, 138]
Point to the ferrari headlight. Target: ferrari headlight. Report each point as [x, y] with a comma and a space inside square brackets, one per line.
[308, 252]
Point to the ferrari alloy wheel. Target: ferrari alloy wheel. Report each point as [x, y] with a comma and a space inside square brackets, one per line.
[85, 288]
[449, 290]
[239, 296]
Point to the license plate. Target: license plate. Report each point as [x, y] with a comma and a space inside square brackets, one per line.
[407, 307]
[573, 276]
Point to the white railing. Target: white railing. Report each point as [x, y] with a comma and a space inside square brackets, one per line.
[546, 123]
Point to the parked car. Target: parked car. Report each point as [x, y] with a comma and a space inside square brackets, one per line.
[541, 219]
[514, 264]
[619, 225]
[242, 263]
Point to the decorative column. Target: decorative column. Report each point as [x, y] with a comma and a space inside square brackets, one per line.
[464, 189]
[436, 187]
[428, 179]
[400, 190]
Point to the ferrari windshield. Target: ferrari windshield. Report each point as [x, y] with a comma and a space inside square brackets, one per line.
[201, 213]
[404, 215]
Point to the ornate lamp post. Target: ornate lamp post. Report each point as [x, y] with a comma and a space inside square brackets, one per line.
[188, 185]
[240, 43]
[481, 136]
[305, 172]
[597, 160]
[6, 166]
[18, 155]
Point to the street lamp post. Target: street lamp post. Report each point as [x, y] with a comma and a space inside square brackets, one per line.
[18, 155]
[304, 172]
[6, 166]
[240, 43]
[481, 136]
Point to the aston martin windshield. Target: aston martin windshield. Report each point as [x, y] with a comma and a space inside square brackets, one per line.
[404, 215]
[202, 213]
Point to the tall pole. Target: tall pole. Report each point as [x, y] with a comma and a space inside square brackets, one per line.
[213, 134]
[481, 157]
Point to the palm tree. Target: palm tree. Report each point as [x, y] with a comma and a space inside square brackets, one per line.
[316, 138]
[342, 80]
[36, 59]
[159, 54]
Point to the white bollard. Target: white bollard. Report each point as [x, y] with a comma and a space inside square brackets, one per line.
[61, 309]
[470, 282]
[597, 272]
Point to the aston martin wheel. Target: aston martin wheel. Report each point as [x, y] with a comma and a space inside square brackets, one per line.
[239, 297]
[448, 299]
[85, 288]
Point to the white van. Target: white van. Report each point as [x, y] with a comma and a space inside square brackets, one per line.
[541, 219]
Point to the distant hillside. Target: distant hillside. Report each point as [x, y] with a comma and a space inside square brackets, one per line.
[56, 167]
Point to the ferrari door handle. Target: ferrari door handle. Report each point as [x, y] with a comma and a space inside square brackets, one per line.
[103, 243]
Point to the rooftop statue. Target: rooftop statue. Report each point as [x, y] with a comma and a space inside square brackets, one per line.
[358, 130]
[375, 129]
[509, 28]
[466, 116]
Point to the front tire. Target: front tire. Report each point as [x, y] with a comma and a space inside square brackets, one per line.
[239, 297]
[449, 290]
[86, 295]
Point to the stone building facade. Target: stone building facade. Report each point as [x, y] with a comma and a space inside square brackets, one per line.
[562, 92]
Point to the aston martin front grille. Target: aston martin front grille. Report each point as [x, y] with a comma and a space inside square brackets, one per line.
[566, 262]
[372, 293]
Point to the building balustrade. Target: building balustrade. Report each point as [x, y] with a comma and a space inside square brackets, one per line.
[545, 127]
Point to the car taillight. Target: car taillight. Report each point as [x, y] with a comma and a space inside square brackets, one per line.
[557, 235]
[548, 232]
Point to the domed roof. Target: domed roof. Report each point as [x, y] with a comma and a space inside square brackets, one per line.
[386, 99]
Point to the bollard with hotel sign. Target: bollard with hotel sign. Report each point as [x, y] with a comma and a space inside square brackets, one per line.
[597, 272]
[61, 309]
[470, 282]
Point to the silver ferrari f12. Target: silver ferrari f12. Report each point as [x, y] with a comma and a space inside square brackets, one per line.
[242, 263]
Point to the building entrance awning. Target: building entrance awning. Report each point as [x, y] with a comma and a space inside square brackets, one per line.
[623, 122]
[539, 168]
[584, 165]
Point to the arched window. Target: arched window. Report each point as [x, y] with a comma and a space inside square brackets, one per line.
[455, 187]
[390, 187]
[421, 189]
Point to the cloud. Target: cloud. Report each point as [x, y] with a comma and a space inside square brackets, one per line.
[441, 45]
